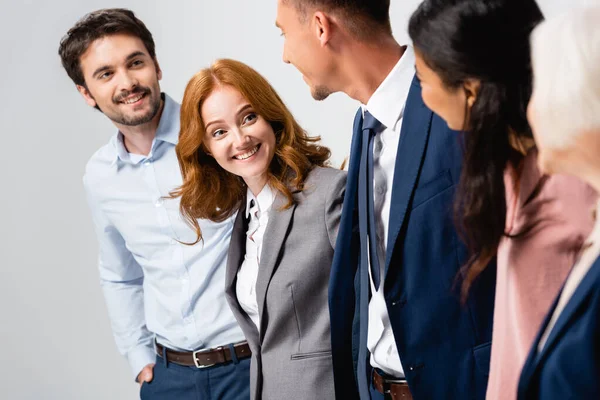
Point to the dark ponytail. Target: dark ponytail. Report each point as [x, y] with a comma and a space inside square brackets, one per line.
[486, 40]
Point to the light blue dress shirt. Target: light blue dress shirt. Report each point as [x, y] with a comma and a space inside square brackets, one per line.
[155, 286]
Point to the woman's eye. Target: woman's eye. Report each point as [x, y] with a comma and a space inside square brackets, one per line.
[250, 117]
[218, 132]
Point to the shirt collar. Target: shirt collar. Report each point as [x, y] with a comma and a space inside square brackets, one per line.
[388, 101]
[168, 126]
[264, 200]
[167, 130]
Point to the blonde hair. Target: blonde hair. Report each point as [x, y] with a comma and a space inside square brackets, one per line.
[566, 67]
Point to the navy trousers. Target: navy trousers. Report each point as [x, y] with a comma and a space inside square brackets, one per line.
[171, 381]
[375, 395]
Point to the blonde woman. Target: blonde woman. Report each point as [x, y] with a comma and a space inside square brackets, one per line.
[564, 361]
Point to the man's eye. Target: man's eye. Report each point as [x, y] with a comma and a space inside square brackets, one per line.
[105, 75]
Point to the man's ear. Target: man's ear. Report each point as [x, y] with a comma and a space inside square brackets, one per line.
[87, 96]
[158, 70]
[323, 26]
[472, 87]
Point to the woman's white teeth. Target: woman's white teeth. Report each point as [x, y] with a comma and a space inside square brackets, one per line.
[133, 99]
[248, 154]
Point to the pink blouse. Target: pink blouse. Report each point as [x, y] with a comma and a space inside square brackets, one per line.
[553, 214]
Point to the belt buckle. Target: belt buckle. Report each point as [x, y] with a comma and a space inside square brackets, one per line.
[197, 363]
[387, 384]
[398, 381]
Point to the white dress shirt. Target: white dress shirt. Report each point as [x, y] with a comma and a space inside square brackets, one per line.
[155, 286]
[588, 256]
[257, 209]
[387, 106]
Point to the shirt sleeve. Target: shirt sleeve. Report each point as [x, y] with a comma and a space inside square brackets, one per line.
[121, 279]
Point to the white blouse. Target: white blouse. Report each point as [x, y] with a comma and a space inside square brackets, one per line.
[257, 209]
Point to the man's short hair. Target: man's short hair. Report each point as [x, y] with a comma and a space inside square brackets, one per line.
[362, 18]
[566, 68]
[97, 25]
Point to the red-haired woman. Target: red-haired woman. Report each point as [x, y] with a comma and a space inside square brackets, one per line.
[240, 150]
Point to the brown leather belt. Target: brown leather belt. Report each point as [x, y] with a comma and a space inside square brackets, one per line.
[204, 358]
[391, 389]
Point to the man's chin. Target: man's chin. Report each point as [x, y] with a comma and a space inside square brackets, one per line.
[132, 119]
[320, 93]
[140, 117]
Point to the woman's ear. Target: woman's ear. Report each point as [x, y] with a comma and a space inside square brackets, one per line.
[205, 150]
[471, 87]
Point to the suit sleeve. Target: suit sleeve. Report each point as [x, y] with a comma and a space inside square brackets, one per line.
[121, 278]
[333, 206]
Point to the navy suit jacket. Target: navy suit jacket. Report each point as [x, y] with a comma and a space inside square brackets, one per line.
[568, 367]
[444, 346]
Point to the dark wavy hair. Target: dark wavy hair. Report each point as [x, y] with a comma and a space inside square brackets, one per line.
[94, 26]
[209, 191]
[486, 40]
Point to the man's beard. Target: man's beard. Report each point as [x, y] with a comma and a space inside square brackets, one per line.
[127, 120]
[320, 92]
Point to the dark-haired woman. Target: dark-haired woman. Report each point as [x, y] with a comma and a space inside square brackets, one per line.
[241, 150]
[473, 61]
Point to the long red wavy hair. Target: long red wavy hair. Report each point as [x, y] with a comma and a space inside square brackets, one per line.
[210, 192]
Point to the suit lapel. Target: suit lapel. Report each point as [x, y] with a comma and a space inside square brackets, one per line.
[235, 258]
[353, 169]
[572, 308]
[411, 150]
[273, 240]
[237, 248]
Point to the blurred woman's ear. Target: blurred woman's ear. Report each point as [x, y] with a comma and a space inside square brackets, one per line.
[471, 87]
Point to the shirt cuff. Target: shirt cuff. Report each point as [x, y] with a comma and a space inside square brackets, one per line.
[139, 357]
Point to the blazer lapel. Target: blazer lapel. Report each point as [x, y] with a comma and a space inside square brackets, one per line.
[235, 258]
[237, 249]
[353, 169]
[411, 149]
[574, 305]
[275, 235]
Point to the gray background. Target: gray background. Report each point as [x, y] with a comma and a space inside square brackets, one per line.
[55, 338]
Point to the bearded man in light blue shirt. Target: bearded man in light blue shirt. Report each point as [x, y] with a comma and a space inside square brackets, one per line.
[165, 299]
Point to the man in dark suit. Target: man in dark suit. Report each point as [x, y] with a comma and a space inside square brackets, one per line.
[397, 321]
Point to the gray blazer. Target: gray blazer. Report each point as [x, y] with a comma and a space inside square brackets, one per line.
[291, 353]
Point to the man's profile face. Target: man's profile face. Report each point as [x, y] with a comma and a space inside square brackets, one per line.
[121, 79]
[302, 48]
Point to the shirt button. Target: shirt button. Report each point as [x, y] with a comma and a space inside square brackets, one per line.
[381, 189]
[159, 202]
[186, 320]
[147, 162]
